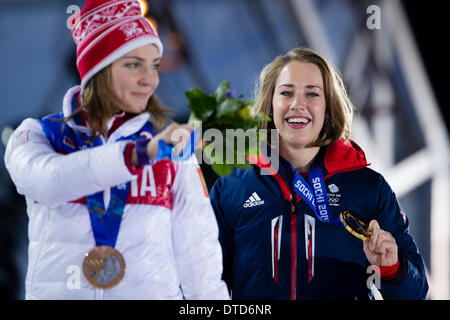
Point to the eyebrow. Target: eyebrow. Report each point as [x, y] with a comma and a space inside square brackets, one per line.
[309, 86]
[139, 58]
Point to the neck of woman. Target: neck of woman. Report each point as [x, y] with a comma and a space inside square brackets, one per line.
[300, 158]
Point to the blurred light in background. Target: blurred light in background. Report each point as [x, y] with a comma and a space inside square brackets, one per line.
[144, 7]
[153, 22]
[6, 134]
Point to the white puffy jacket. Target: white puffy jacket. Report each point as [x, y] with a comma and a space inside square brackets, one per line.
[168, 235]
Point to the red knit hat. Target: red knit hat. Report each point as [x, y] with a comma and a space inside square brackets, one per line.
[105, 30]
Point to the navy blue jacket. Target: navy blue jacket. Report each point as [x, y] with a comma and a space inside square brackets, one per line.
[274, 247]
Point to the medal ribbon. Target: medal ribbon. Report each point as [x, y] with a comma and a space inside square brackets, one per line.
[316, 196]
[106, 223]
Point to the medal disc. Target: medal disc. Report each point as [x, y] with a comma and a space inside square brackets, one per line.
[354, 224]
[104, 267]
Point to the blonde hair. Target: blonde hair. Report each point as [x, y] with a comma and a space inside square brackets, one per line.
[339, 108]
[98, 100]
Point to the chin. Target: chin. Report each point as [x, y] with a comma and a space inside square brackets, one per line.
[142, 108]
[297, 143]
[136, 109]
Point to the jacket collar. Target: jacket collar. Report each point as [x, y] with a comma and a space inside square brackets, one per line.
[343, 155]
[125, 129]
[340, 156]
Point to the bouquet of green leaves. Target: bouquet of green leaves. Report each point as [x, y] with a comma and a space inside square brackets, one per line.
[222, 111]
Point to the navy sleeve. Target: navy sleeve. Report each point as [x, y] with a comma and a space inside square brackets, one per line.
[225, 233]
[412, 283]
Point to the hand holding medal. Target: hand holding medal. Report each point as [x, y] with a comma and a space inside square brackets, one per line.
[381, 248]
[379, 245]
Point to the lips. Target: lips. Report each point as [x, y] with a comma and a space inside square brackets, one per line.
[297, 122]
[140, 95]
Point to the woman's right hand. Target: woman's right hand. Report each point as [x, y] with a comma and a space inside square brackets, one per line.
[175, 134]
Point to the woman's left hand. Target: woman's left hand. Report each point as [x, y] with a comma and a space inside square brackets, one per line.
[381, 248]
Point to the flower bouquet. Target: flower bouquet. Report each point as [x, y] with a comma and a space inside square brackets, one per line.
[229, 127]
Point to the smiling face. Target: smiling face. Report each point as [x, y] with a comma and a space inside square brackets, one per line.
[134, 78]
[299, 104]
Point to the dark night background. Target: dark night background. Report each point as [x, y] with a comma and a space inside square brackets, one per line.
[429, 21]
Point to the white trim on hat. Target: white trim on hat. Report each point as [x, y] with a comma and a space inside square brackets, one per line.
[121, 51]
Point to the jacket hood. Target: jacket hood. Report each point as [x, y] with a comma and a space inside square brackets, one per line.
[344, 155]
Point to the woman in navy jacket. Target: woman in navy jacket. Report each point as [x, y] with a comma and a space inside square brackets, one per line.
[277, 241]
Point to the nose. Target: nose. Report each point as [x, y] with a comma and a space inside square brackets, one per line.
[298, 103]
[149, 78]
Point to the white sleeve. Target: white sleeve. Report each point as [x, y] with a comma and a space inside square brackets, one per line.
[197, 249]
[51, 178]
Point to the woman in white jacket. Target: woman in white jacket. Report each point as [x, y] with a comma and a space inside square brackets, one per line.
[105, 220]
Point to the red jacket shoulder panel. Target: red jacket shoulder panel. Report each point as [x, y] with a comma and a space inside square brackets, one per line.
[344, 155]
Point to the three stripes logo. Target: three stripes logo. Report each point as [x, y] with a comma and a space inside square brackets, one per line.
[254, 200]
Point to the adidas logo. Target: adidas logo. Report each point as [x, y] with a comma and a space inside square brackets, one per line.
[254, 200]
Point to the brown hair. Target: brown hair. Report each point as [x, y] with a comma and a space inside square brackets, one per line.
[98, 99]
[339, 108]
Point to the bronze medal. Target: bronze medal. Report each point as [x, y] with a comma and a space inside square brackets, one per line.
[104, 267]
[354, 224]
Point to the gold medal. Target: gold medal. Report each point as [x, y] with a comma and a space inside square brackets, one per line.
[104, 267]
[354, 224]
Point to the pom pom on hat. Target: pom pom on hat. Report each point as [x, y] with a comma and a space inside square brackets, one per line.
[105, 30]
